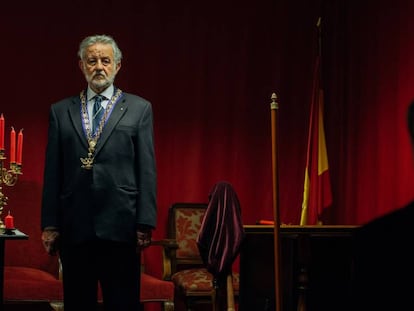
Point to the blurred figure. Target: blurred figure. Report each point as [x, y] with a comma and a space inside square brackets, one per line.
[384, 258]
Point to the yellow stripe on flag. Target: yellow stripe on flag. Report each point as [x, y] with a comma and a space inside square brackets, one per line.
[305, 203]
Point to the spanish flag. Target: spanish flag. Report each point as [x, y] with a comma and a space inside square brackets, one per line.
[317, 193]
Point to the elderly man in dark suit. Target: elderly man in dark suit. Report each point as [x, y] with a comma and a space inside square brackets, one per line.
[99, 197]
[384, 259]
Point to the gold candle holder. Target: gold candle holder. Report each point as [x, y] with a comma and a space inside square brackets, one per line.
[9, 178]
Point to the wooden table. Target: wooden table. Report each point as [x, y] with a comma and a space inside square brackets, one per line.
[316, 268]
[15, 235]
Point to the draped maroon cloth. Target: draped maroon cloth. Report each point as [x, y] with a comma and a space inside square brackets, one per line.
[221, 232]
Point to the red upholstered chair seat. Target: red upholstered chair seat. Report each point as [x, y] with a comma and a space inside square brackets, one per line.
[198, 281]
[154, 289]
[24, 283]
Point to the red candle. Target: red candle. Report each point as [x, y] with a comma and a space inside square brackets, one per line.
[9, 221]
[12, 146]
[1, 132]
[19, 147]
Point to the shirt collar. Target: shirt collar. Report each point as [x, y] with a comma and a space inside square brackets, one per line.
[108, 92]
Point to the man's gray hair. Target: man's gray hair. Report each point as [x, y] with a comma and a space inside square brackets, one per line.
[104, 39]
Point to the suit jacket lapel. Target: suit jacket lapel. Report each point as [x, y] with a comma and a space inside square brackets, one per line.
[75, 116]
[117, 112]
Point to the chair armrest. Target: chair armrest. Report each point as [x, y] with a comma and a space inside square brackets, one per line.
[168, 254]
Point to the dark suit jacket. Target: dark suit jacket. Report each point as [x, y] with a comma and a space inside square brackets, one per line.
[384, 262]
[119, 193]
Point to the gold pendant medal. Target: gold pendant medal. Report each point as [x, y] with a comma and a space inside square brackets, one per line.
[87, 163]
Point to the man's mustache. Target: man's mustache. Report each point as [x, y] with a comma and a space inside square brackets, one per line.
[99, 73]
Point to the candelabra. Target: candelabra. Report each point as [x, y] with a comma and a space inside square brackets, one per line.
[9, 178]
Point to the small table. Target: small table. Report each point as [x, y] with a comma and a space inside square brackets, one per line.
[14, 235]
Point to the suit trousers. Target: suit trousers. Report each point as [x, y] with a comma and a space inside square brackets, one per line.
[114, 266]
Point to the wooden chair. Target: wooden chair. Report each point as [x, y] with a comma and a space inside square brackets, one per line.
[193, 283]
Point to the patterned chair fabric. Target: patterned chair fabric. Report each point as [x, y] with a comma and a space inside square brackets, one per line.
[187, 226]
[198, 280]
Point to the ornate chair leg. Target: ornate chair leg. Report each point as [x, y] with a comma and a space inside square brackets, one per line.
[168, 306]
[57, 305]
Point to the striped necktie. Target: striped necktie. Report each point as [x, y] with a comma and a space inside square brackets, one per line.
[97, 112]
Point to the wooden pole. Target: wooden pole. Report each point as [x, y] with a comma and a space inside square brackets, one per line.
[230, 293]
[274, 106]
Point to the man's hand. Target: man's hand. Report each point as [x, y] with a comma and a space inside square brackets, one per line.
[144, 234]
[50, 240]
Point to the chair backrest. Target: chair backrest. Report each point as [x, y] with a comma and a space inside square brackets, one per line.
[184, 222]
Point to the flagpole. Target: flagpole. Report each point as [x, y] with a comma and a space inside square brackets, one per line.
[312, 131]
[274, 106]
[319, 28]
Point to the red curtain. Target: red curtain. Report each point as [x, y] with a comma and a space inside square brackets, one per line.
[209, 68]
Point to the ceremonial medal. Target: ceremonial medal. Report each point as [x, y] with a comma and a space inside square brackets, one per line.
[87, 163]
